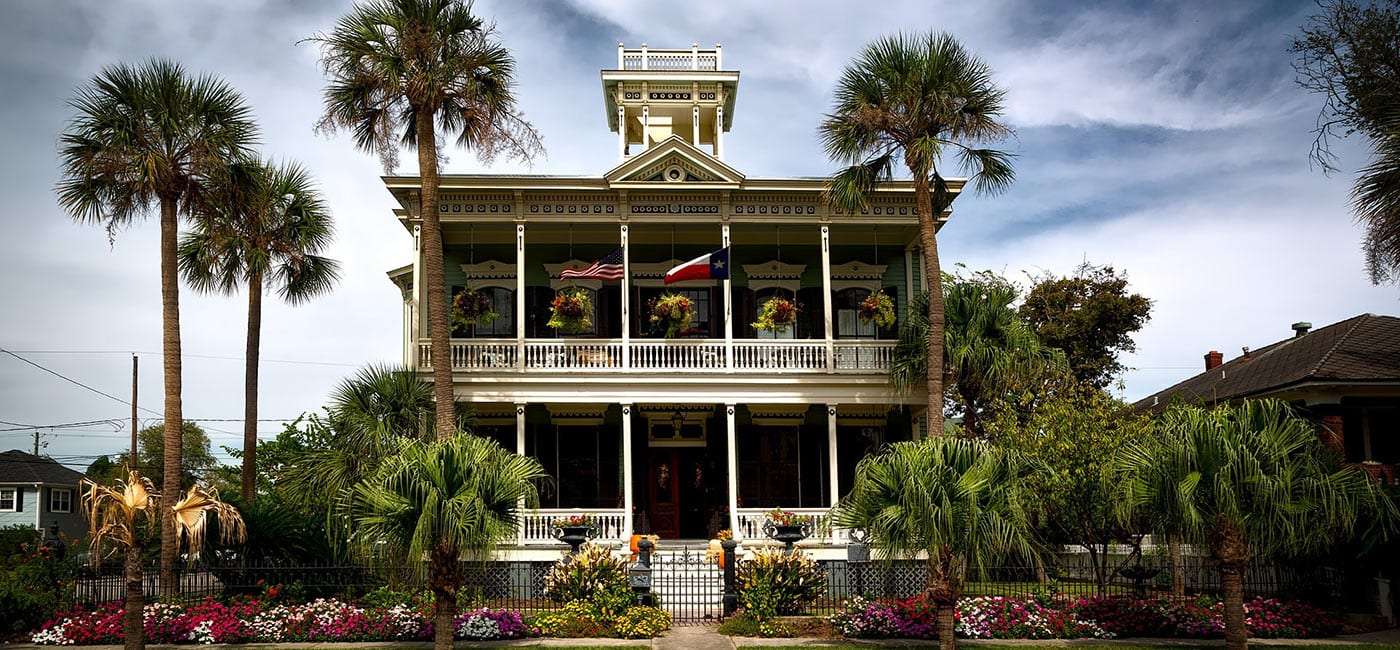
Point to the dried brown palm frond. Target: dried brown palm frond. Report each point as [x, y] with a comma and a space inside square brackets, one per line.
[113, 511]
[192, 515]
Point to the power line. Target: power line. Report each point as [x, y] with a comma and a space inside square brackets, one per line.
[302, 362]
[73, 381]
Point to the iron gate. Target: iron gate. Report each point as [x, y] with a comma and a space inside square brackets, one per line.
[688, 584]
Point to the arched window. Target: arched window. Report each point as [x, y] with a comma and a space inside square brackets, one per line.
[847, 312]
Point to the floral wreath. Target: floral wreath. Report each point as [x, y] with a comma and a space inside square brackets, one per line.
[674, 312]
[472, 308]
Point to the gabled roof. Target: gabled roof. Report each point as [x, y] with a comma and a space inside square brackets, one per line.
[1361, 349]
[696, 167]
[19, 467]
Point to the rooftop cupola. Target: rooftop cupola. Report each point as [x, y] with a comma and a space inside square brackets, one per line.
[656, 93]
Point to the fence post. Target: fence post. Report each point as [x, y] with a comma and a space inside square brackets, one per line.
[731, 590]
[639, 574]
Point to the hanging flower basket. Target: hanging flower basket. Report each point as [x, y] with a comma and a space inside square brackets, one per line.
[877, 309]
[673, 312]
[472, 308]
[776, 315]
[570, 313]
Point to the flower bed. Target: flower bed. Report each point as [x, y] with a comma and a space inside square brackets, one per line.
[255, 621]
[1000, 617]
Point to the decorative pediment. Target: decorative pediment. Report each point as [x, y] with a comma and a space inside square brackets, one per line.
[863, 415]
[491, 273]
[857, 275]
[577, 414]
[774, 275]
[673, 161]
[778, 415]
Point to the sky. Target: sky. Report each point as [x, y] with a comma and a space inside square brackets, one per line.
[1167, 140]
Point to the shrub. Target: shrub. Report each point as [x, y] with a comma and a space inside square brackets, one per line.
[1000, 617]
[741, 623]
[33, 583]
[574, 620]
[775, 582]
[593, 570]
[642, 623]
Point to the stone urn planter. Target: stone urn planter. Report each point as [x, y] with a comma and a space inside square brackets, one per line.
[574, 531]
[787, 528]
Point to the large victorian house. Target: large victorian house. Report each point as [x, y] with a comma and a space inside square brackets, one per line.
[722, 422]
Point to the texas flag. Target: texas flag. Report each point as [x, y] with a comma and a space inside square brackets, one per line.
[710, 266]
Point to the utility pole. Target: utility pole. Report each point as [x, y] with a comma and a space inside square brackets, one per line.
[133, 410]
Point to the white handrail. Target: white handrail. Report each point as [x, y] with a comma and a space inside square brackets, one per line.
[767, 356]
[751, 522]
[537, 526]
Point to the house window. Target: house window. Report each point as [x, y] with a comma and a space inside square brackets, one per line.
[60, 500]
[9, 500]
[503, 302]
[848, 323]
[763, 297]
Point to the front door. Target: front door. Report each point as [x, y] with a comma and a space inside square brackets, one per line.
[663, 487]
[676, 487]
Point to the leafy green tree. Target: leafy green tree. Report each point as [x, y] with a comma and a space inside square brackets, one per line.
[1350, 54]
[260, 224]
[147, 136]
[916, 100]
[1245, 481]
[960, 501]
[445, 501]
[1091, 316]
[150, 452]
[1071, 438]
[404, 73]
[987, 347]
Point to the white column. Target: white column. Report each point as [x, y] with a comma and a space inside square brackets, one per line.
[645, 62]
[694, 56]
[628, 502]
[520, 295]
[719, 53]
[695, 125]
[621, 132]
[719, 127]
[908, 273]
[626, 302]
[620, 63]
[733, 471]
[728, 304]
[826, 299]
[646, 127]
[831, 453]
[520, 450]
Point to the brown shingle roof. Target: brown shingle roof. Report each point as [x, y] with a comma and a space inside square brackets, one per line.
[1360, 349]
[20, 467]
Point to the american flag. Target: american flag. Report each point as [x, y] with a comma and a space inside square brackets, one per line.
[608, 268]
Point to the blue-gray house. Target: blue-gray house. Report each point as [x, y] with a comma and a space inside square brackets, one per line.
[37, 491]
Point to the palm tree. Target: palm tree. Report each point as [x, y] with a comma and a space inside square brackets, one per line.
[1247, 480]
[955, 499]
[261, 223]
[1376, 196]
[442, 501]
[913, 99]
[986, 345]
[401, 71]
[115, 515]
[368, 418]
[145, 136]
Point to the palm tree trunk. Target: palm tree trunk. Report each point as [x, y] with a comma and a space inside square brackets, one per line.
[174, 425]
[250, 387]
[972, 426]
[133, 625]
[943, 596]
[1178, 567]
[1232, 583]
[946, 636]
[443, 580]
[933, 274]
[438, 300]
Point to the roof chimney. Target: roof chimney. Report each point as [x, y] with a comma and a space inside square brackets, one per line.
[1214, 359]
[1300, 328]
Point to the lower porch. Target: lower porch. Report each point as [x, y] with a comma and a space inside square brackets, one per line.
[684, 472]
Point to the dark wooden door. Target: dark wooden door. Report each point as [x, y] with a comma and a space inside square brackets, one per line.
[663, 488]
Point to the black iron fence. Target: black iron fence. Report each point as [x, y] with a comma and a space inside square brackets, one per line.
[693, 584]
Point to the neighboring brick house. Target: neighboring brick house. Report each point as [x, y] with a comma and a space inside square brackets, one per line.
[37, 491]
[1345, 377]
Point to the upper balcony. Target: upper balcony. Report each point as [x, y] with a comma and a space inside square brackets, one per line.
[669, 59]
[747, 356]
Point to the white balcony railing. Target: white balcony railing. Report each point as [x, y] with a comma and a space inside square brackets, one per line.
[537, 526]
[751, 522]
[645, 58]
[665, 355]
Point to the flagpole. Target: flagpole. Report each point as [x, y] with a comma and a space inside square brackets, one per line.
[626, 305]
